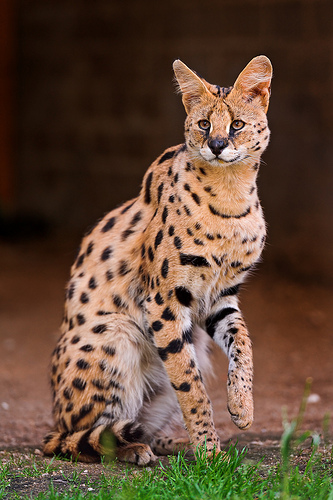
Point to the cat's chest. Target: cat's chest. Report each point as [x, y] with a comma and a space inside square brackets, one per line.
[232, 248]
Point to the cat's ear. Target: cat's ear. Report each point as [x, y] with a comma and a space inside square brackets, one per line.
[190, 85]
[254, 82]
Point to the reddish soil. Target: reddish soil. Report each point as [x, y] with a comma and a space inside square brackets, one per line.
[290, 325]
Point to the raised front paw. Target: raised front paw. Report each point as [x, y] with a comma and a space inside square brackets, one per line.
[240, 401]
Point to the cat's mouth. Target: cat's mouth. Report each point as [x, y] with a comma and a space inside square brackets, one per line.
[228, 157]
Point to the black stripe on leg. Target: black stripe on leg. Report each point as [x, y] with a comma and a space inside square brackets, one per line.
[85, 448]
[212, 320]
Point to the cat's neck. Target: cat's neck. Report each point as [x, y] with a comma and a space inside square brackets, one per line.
[230, 189]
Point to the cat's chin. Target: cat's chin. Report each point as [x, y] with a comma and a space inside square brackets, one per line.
[219, 162]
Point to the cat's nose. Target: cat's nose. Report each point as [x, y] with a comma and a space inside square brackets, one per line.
[217, 145]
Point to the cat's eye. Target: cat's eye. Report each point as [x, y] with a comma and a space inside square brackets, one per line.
[204, 124]
[237, 124]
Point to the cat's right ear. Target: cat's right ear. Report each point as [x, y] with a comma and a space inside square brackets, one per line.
[190, 85]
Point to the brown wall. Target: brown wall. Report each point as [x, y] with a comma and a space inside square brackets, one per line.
[96, 105]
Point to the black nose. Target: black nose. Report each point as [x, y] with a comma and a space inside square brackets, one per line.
[217, 145]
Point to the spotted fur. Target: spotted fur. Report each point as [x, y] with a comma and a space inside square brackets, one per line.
[158, 276]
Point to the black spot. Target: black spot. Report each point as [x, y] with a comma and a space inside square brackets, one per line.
[84, 411]
[75, 339]
[203, 171]
[197, 226]
[99, 328]
[170, 172]
[109, 275]
[183, 295]
[158, 238]
[159, 192]
[157, 326]
[184, 387]
[69, 407]
[84, 298]
[187, 210]
[70, 290]
[106, 253]
[68, 393]
[173, 347]
[136, 218]
[82, 364]
[165, 214]
[71, 324]
[198, 242]
[209, 236]
[149, 179]
[98, 384]
[214, 319]
[150, 254]
[92, 283]
[103, 365]
[177, 242]
[159, 299]
[217, 260]
[193, 260]
[90, 248]
[87, 348]
[124, 210]
[196, 198]
[80, 260]
[99, 398]
[171, 230]
[233, 330]
[109, 225]
[110, 351]
[171, 198]
[187, 336]
[235, 263]
[168, 315]
[79, 384]
[126, 234]
[80, 319]
[123, 268]
[188, 167]
[189, 231]
[167, 156]
[165, 268]
[176, 177]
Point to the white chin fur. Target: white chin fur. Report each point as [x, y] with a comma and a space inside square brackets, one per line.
[228, 155]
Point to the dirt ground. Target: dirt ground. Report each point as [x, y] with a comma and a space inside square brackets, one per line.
[290, 325]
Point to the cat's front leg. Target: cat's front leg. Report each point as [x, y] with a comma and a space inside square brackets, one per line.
[227, 328]
[172, 331]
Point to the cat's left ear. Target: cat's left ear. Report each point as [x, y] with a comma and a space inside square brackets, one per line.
[190, 84]
[254, 82]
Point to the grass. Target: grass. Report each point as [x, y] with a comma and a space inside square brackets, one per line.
[219, 478]
[300, 472]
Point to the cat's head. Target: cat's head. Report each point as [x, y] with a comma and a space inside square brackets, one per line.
[226, 126]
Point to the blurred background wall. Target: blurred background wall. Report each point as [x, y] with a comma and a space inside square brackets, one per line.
[89, 102]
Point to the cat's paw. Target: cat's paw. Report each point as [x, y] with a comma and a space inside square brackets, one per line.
[240, 404]
[137, 453]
